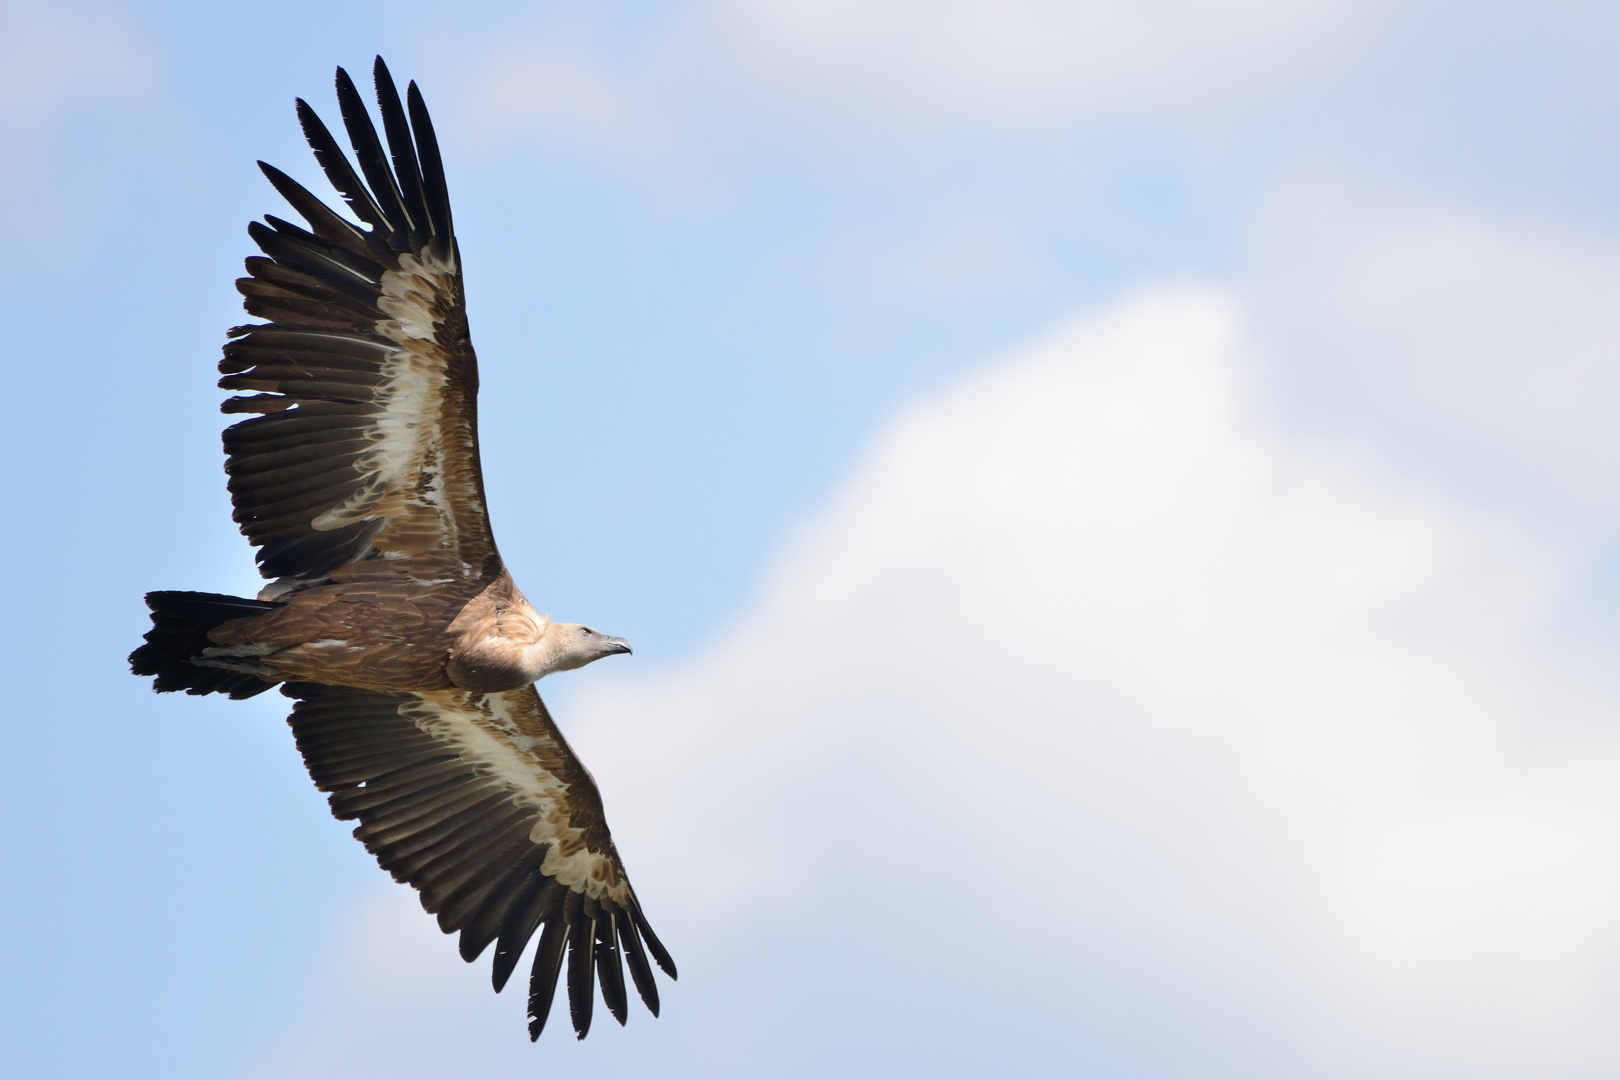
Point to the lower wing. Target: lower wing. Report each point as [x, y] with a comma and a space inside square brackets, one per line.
[478, 802]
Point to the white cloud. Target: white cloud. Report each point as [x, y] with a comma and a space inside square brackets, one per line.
[1095, 728]
[1489, 341]
[865, 75]
[964, 60]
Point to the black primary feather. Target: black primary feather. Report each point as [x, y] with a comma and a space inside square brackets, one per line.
[335, 164]
[368, 151]
[517, 929]
[400, 146]
[581, 970]
[322, 222]
[548, 958]
[435, 192]
[610, 967]
[636, 958]
[659, 953]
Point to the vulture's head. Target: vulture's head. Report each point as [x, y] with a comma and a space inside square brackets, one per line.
[574, 645]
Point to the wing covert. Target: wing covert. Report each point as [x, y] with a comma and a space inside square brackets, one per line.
[363, 375]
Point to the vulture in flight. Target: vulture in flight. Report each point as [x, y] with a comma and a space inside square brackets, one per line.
[390, 619]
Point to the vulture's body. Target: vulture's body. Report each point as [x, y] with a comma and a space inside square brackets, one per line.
[390, 616]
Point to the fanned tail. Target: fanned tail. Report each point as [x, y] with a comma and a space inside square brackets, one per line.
[179, 634]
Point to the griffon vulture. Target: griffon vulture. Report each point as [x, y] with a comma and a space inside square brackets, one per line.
[390, 618]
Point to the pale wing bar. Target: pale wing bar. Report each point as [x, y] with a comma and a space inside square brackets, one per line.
[364, 376]
[496, 824]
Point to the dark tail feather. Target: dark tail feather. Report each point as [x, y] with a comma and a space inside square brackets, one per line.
[180, 625]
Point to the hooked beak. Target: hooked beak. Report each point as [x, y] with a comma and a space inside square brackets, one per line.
[617, 645]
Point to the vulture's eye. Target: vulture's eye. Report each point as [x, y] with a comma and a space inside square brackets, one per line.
[587, 631]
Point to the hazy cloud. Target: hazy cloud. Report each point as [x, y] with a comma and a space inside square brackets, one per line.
[862, 76]
[55, 56]
[1488, 342]
[74, 82]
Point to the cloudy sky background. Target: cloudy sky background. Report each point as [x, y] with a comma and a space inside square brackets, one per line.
[1116, 504]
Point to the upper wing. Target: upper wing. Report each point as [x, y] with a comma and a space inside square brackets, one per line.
[478, 802]
[364, 373]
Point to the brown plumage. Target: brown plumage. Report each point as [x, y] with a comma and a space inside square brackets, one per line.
[390, 616]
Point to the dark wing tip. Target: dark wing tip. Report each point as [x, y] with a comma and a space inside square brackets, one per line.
[306, 114]
[581, 971]
[610, 966]
[548, 958]
[335, 164]
[635, 957]
[407, 170]
[659, 953]
[435, 191]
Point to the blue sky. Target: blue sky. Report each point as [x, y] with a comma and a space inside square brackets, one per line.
[741, 276]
